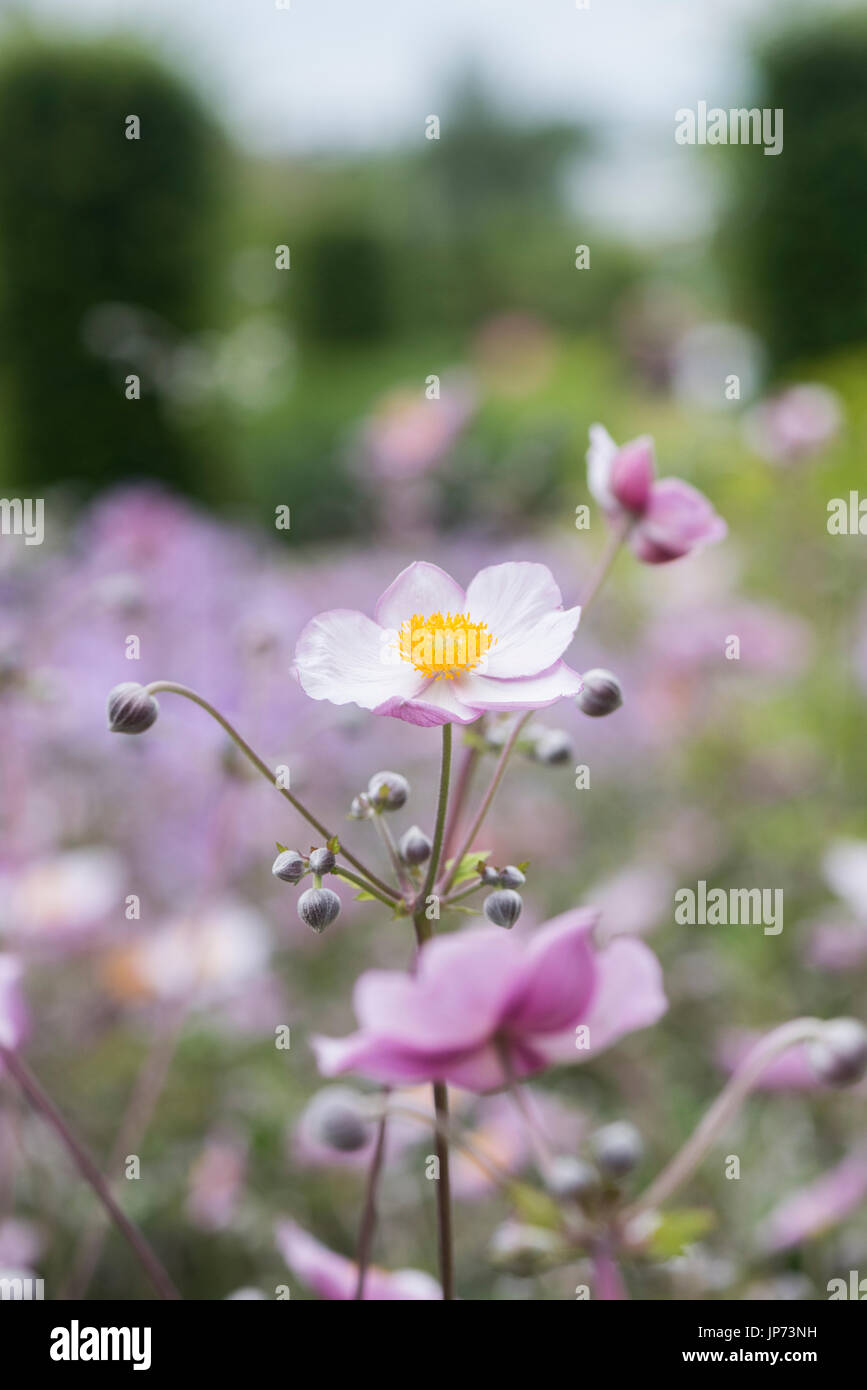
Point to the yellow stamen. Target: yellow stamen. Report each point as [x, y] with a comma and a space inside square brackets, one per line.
[443, 645]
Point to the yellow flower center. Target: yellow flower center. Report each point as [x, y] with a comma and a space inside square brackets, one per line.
[443, 644]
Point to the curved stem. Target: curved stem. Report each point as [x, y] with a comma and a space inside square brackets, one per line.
[726, 1105]
[486, 802]
[368, 1216]
[90, 1172]
[173, 688]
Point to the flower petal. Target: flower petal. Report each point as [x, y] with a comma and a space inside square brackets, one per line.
[420, 588]
[523, 608]
[438, 703]
[632, 472]
[677, 519]
[558, 976]
[628, 996]
[345, 657]
[526, 692]
[600, 458]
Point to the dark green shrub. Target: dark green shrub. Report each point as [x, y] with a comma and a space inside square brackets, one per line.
[90, 218]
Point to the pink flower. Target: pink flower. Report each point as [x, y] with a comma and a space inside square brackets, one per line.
[435, 654]
[667, 517]
[334, 1276]
[794, 424]
[484, 1006]
[13, 1010]
[812, 1209]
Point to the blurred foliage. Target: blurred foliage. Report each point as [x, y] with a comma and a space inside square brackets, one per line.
[796, 234]
[95, 224]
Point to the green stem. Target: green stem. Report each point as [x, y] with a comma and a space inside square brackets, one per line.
[363, 883]
[368, 1217]
[173, 688]
[726, 1105]
[90, 1172]
[424, 931]
[486, 802]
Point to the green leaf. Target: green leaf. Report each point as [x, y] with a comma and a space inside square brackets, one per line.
[365, 897]
[679, 1228]
[524, 865]
[534, 1206]
[459, 907]
[469, 865]
[282, 848]
[334, 845]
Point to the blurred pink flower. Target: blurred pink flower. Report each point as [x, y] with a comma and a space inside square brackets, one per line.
[408, 434]
[485, 1007]
[13, 1010]
[216, 1182]
[667, 517]
[812, 1209]
[837, 946]
[61, 900]
[797, 422]
[498, 1131]
[334, 1276]
[513, 629]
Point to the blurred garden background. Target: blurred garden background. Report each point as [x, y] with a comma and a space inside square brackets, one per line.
[411, 259]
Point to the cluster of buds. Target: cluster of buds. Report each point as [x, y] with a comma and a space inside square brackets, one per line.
[503, 906]
[616, 1150]
[317, 906]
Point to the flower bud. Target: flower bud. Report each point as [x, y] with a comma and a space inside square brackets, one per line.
[342, 1127]
[318, 907]
[491, 875]
[131, 709]
[414, 846]
[289, 866]
[617, 1148]
[571, 1178]
[511, 876]
[503, 908]
[552, 747]
[522, 1249]
[388, 790]
[322, 861]
[360, 808]
[839, 1056]
[602, 693]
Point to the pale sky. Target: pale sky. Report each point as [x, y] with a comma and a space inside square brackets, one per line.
[355, 74]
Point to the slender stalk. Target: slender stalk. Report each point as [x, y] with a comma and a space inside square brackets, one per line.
[726, 1105]
[538, 1142]
[369, 1214]
[609, 555]
[469, 761]
[383, 830]
[486, 801]
[139, 1112]
[424, 931]
[90, 1172]
[173, 688]
[439, 828]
